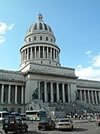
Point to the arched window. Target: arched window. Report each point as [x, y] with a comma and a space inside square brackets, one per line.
[49, 29]
[12, 109]
[31, 108]
[45, 26]
[51, 39]
[19, 110]
[46, 38]
[34, 37]
[40, 25]
[35, 26]
[5, 109]
[29, 39]
[40, 37]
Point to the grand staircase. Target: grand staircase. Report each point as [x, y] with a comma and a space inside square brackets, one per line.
[59, 110]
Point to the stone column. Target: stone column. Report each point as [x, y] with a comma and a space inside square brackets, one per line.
[51, 53]
[89, 96]
[39, 52]
[58, 57]
[43, 52]
[96, 97]
[27, 53]
[57, 92]
[47, 53]
[80, 95]
[69, 95]
[99, 96]
[31, 53]
[45, 91]
[63, 92]
[15, 94]
[92, 97]
[9, 91]
[35, 52]
[22, 89]
[85, 95]
[23, 55]
[52, 94]
[39, 94]
[54, 54]
[2, 95]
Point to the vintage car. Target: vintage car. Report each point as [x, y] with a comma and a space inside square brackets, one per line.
[14, 124]
[64, 123]
[46, 124]
[98, 119]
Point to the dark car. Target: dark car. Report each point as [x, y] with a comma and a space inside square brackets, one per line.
[14, 124]
[46, 124]
[98, 119]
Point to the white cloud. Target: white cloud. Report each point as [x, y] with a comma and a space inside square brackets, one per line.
[96, 61]
[3, 28]
[91, 72]
[10, 26]
[89, 52]
[2, 39]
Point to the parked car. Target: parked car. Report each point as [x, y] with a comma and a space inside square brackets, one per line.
[98, 120]
[92, 118]
[14, 124]
[46, 124]
[3, 114]
[65, 123]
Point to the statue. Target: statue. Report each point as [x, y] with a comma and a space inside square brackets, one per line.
[77, 95]
[35, 94]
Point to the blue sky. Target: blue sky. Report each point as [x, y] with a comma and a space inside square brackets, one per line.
[75, 23]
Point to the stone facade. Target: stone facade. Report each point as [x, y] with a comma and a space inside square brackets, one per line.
[42, 79]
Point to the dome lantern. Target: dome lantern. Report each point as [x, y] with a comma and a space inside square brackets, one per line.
[40, 17]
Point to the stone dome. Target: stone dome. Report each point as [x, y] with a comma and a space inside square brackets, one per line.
[40, 27]
[40, 45]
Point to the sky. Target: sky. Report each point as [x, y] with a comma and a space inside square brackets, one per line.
[76, 26]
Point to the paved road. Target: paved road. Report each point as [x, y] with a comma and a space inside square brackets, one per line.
[79, 128]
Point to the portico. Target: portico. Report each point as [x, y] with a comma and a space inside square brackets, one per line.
[12, 94]
[89, 95]
[54, 92]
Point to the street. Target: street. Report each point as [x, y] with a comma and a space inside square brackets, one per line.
[79, 128]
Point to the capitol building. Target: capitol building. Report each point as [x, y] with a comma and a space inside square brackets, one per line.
[41, 81]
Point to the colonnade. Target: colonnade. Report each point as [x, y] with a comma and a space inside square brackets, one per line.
[44, 52]
[12, 94]
[89, 96]
[54, 92]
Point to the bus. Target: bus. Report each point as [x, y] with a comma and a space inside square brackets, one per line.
[35, 114]
[3, 114]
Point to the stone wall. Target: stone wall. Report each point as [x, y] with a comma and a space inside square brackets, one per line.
[6, 75]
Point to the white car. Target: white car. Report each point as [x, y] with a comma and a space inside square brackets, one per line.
[64, 123]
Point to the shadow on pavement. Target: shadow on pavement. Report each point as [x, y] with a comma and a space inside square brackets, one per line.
[75, 130]
[33, 132]
[80, 129]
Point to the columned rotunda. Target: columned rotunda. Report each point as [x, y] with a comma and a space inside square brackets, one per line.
[42, 82]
